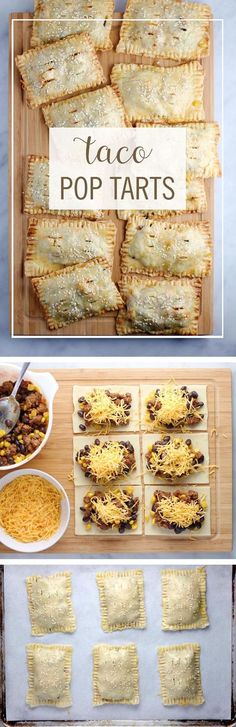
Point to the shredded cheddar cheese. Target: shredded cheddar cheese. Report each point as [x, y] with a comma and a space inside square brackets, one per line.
[173, 408]
[178, 512]
[112, 509]
[174, 459]
[30, 508]
[104, 410]
[106, 463]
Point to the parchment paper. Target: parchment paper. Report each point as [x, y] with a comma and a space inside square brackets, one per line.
[215, 644]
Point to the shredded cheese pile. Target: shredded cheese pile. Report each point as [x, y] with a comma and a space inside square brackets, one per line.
[106, 463]
[30, 508]
[173, 406]
[104, 410]
[174, 459]
[179, 512]
[107, 509]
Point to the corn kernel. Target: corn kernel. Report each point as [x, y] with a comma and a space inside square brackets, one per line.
[2, 452]
[134, 526]
[147, 518]
[32, 414]
[129, 490]
[2, 432]
[88, 526]
[153, 500]
[153, 521]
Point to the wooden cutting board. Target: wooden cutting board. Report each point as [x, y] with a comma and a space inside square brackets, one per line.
[30, 136]
[56, 458]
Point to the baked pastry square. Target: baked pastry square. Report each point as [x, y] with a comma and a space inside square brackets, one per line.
[180, 674]
[159, 307]
[179, 39]
[77, 292]
[59, 69]
[65, 16]
[153, 93]
[202, 160]
[195, 202]
[157, 247]
[115, 674]
[122, 600]
[49, 670]
[102, 107]
[184, 599]
[54, 243]
[36, 196]
[50, 604]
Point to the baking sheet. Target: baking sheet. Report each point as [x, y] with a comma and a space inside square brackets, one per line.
[215, 644]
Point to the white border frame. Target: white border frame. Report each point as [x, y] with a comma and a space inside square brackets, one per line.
[21, 336]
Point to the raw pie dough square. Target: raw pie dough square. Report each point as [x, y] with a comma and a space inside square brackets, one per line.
[157, 247]
[36, 197]
[82, 390]
[180, 674]
[184, 599]
[160, 532]
[96, 108]
[180, 39]
[199, 441]
[115, 674]
[133, 478]
[159, 307]
[80, 526]
[58, 69]
[122, 600]
[147, 390]
[52, 244]
[50, 604]
[153, 93]
[72, 10]
[49, 670]
[77, 292]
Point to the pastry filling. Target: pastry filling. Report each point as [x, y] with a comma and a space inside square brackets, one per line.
[104, 408]
[104, 462]
[172, 458]
[173, 406]
[30, 430]
[179, 510]
[116, 509]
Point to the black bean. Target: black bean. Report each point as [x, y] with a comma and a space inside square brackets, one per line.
[9, 423]
[81, 414]
[97, 441]
[200, 459]
[184, 388]
[82, 427]
[188, 442]
[157, 392]
[193, 395]
[166, 440]
[178, 529]
[201, 403]
[82, 398]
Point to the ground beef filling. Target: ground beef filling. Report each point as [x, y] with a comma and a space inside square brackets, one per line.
[31, 427]
[119, 508]
[104, 462]
[193, 406]
[189, 499]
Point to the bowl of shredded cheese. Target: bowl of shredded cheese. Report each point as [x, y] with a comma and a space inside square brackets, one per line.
[34, 511]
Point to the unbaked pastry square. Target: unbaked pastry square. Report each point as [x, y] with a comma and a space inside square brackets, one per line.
[180, 674]
[49, 675]
[133, 477]
[184, 604]
[50, 603]
[103, 424]
[122, 600]
[115, 674]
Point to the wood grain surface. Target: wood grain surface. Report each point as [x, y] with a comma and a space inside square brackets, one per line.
[30, 136]
[56, 459]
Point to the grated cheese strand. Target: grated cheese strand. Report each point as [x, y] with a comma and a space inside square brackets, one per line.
[173, 406]
[178, 512]
[104, 410]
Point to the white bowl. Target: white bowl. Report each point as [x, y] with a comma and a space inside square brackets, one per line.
[37, 545]
[48, 386]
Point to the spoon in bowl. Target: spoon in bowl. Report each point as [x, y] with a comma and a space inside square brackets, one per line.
[10, 407]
